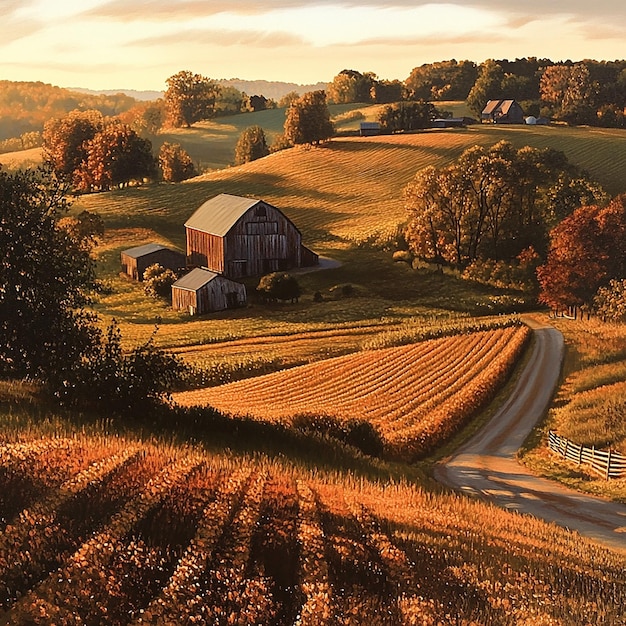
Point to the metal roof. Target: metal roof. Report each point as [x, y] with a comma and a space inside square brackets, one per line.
[139, 251]
[219, 214]
[196, 279]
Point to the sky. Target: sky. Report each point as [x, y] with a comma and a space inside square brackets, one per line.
[138, 44]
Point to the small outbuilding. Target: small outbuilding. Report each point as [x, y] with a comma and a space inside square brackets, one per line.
[136, 260]
[503, 112]
[202, 291]
[369, 129]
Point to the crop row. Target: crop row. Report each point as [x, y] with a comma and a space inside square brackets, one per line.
[414, 395]
[145, 534]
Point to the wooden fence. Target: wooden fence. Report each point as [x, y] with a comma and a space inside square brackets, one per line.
[604, 463]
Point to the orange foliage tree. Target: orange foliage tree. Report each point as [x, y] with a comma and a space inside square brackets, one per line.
[587, 250]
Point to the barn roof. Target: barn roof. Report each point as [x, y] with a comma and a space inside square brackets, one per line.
[494, 106]
[139, 251]
[196, 279]
[219, 214]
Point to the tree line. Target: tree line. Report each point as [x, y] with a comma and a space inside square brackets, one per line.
[523, 218]
[585, 92]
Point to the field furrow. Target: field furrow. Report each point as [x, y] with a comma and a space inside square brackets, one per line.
[414, 395]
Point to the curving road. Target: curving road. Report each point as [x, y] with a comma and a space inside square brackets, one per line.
[487, 466]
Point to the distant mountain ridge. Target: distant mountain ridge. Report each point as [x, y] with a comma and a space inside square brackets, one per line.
[273, 90]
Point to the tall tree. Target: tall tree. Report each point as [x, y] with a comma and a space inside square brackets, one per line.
[251, 145]
[175, 163]
[308, 119]
[190, 98]
[65, 141]
[115, 156]
[571, 92]
[406, 116]
[45, 272]
[444, 80]
[587, 250]
[491, 203]
[488, 86]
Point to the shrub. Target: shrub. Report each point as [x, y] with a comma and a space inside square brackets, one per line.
[158, 281]
[279, 286]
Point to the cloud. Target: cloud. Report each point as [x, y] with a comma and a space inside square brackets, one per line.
[222, 38]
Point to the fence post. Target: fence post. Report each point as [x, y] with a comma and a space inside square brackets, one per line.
[608, 466]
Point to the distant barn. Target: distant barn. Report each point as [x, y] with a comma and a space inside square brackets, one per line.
[503, 112]
[449, 122]
[136, 260]
[238, 237]
[202, 291]
[369, 129]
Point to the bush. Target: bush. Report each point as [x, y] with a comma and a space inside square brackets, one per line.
[279, 286]
[158, 281]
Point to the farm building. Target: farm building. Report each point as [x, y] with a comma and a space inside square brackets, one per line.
[503, 112]
[238, 237]
[369, 129]
[202, 291]
[136, 260]
[449, 122]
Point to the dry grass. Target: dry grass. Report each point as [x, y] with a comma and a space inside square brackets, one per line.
[590, 405]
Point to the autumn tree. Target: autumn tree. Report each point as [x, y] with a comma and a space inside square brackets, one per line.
[351, 86]
[190, 98]
[488, 86]
[65, 141]
[146, 119]
[158, 281]
[587, 250]
[571, 92]
[288, 99]
[115, 156]
[308, 119]
[406, 116]
[491, 203]
[386, 91]
[610, 301]
[175, 163]
[251, 145]
[444, 80]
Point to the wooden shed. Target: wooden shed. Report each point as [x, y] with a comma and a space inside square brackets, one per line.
[503, 112]
[238, 237]
[369, 129]
[136, 260]
[202, 291]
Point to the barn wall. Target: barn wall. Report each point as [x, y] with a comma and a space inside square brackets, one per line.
[261, 242]
[217, 295]
[129, 266]
[169, 259]
[135, 267]
[182, 299]
[205, 250]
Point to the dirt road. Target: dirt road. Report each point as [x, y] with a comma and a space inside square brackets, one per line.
[486, 466]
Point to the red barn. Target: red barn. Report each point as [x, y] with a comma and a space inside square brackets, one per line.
[238, 237]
